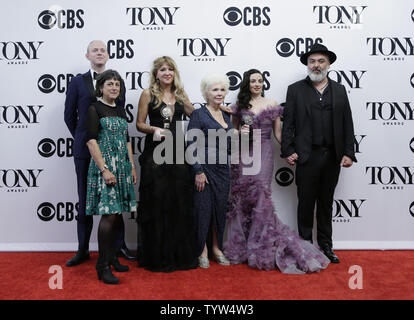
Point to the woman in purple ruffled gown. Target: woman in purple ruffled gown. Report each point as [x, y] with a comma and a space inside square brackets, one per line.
[254, 232]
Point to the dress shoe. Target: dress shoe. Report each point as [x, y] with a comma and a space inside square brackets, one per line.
[126, 254]
[119, 267]
[221, 259]
[328, 252]
[79, 257]
[203, 262]
[105, 273]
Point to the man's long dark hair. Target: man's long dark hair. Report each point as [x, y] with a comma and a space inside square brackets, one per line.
[244, 96]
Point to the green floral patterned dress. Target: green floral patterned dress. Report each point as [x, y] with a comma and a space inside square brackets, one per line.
[112, 137]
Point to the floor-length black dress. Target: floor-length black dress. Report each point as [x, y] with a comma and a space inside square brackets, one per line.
[166, 236]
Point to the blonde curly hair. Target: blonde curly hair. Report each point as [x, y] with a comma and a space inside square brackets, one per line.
[177, 86]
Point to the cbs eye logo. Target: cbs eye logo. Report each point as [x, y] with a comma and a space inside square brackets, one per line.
[235, 80]
[47, 19]
[285, 47]
[46, 83]
[412, 80]
[412, 145]
[46, 147]
[251, 16]
[46, 211]
[232, 16]
[411, 209]
[62, 147]
[284, 177]
[63, 19]
[412, 15]
[64, 211]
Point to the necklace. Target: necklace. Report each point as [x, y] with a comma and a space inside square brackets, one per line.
[168, 98]
[322, 88]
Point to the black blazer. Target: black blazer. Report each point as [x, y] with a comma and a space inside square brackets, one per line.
[297, 124]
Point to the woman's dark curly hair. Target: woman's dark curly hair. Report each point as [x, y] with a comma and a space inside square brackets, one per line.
[244, 96]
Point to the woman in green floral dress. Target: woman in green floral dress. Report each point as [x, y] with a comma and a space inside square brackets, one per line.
[111, 175]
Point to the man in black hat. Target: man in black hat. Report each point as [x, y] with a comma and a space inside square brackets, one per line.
[317, 136]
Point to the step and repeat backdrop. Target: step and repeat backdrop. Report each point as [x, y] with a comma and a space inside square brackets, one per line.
[43, 46]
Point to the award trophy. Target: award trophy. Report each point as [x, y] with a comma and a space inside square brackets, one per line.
[166, 114]
[247, 119]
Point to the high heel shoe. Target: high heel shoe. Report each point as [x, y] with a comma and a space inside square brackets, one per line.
[221, 259]
[203, 262]
[119, 267]
[105, 273]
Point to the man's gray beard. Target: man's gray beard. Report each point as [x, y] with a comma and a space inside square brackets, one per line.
[317, 77]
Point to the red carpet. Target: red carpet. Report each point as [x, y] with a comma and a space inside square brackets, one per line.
[386, 275]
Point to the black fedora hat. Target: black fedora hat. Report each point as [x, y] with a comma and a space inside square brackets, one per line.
[318, 48]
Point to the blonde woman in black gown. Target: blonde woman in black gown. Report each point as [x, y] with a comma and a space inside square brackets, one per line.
[165, 221]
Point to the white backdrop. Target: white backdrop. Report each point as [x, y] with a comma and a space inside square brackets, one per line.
[43, 44]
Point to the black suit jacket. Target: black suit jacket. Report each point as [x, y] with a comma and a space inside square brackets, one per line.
[79, 97]
[297, 124]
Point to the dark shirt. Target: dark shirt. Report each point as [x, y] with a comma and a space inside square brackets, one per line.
[100, 110]
[322, 117]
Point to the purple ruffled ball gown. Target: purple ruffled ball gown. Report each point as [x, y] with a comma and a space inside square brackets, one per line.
[254, 232]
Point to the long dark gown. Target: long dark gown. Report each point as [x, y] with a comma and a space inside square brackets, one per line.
[211, 204]
[166, 238]
[254, 232]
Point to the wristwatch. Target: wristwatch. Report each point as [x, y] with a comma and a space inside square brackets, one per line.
[104, 168]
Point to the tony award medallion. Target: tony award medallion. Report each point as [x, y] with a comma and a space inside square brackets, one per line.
[247, 119]
[166, 114]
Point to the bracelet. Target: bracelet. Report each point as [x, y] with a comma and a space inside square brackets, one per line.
[104, 168]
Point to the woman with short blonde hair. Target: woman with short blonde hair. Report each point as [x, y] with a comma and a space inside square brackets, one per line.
[212, 180]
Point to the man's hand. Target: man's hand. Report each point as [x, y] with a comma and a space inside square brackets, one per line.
[346, 162]
[291, 160]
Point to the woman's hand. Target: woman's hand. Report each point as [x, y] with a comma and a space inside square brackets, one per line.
[245, 129]
[226, 109]
[200, 181]
[134, 176]
[109, 178]
[158, 134]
